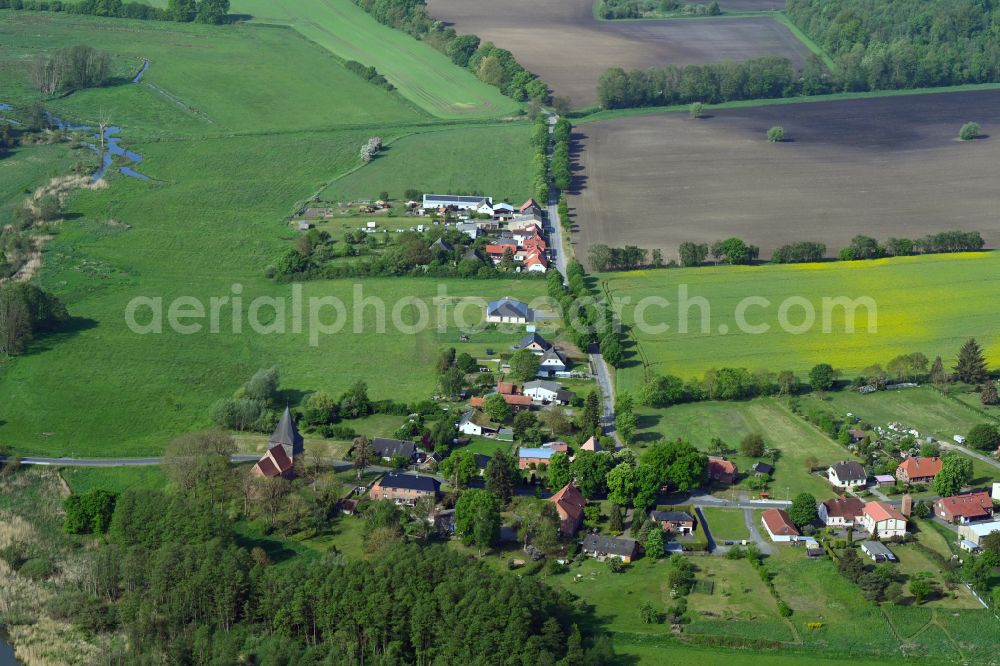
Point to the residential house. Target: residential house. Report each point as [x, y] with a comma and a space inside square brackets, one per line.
[472, 231]
[474, 422]
[282, 446]
[552, 363]
[529, 206]
[545, 392]
[841, 511]
[996, 491]
[535, 262]
[779, 526]
[503, 208]
[453, 202]
[762, 469]
[523, 233]
[605, 547]
[677, 522]
[878, 552]
[534, 343]
[883, 520]
[499, 248]
[592, 445]
[441, 245]
[534, 455]
[976, 531]
[721, 470]
[570, 503]
[965, 508]
[918, 470]
[847, 475]
[405, 488]
[484, 207]
[387, 449]
[508, 311]
[517, 402]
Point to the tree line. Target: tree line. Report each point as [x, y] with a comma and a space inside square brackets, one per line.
[758, 78]
[866, 247]
[630, 9]
[369, 74]
[71, 68]
[490, 64]
[184, 11]
[905, 43]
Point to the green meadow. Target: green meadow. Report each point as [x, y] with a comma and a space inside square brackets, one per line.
[238, 125]
[929, 304]
[422, 74]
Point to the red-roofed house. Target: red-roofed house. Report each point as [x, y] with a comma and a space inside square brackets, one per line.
[569, 503]
[518, 402]
[529, 205]
[496, 250]
[721, 470]
[964, 509]
[535, 243]
[918, 470]
[507, 388]
[883, 520]
[779, 525]
[535, 262]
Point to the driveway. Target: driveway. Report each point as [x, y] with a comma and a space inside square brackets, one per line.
[762, 543]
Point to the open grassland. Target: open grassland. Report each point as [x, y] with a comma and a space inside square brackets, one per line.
[889, 166]
[201, 79]
[930, 304]
[422, 74]
[569, 49]
[117, 479]
[492, 160]
[207, 225]
[26, 167]
[700, 423]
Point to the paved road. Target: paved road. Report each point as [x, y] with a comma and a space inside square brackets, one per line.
[706, 500]
[607, 386]
[762, 543]
[338, 465]
[555, 224]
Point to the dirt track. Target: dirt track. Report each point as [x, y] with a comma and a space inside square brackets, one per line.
[882, 167]
[562, 42]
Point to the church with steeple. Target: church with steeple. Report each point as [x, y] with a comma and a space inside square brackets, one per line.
[284, 444]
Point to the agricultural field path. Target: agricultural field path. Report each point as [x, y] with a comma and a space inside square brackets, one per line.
[762, 543]
[969, 452]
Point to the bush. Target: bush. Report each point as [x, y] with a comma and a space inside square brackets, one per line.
[784, 609]
[37, 568]
[969, 131]
[776, 134]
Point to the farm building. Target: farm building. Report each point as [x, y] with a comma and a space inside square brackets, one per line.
[537, 455]
[877, 551]
[847, 474]
[841, 511]
[976, 531]
[508, 311]
[964, 508]
[779, 526]
[918, 470]
[762, 468]
[543, 391]
[605, 547]
[883, 520]
[437, 201]
[570, 503]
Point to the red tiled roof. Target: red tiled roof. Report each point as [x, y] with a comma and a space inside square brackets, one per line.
[973, 505]
[530, 203]
[844, 507]
[917, 468]
[879, 511]
[779, 523]
[720, 466]
[507, 388]
[570, 501]
[499, 249]
[515, 400]
[267, 467]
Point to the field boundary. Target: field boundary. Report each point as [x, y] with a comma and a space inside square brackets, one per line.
[602, 114]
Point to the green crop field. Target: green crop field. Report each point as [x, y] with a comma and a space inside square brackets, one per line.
[248, 145]
[796, 440]
[929, 304]
[422, 74]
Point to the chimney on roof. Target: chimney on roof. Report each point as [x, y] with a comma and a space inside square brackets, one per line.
[907, 505]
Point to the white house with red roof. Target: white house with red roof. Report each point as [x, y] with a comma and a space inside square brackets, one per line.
[883, 520]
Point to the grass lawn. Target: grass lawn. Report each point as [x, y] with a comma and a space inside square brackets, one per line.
[913, 561]
[700, 422]
[422, 74]
[487, 446]
[26, 167]
[116, 479]
[726, 523]
[493, 160]
[930, 304]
